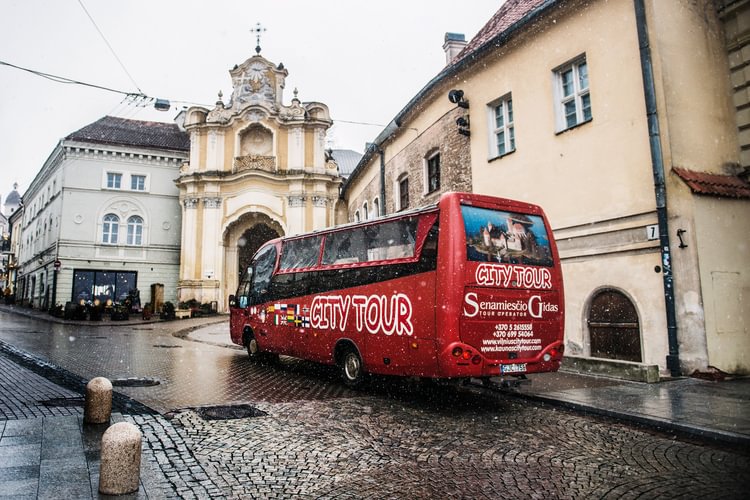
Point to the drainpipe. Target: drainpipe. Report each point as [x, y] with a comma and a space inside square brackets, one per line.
[382, 181]
[657, 165]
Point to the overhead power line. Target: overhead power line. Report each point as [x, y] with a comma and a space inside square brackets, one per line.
[110, 46]
[138, 98]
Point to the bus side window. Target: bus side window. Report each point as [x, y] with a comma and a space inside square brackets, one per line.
[430, 247]
[345, 247]
[262, 271]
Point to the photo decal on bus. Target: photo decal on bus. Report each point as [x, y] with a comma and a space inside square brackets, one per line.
[505, 237]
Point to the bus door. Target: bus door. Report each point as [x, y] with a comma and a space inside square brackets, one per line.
[262, 305]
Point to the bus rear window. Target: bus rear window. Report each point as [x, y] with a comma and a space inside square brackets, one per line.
[507, 237]
[378, 242]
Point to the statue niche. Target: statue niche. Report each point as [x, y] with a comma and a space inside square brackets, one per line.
[256, 149]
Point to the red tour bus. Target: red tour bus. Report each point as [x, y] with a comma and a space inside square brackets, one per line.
[469, 287]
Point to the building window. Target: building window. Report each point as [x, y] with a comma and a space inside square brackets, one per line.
[503, 137]
[114, 181]
[572, 88]
[138, 182]
[375, 207]
[432, 173]
[356, 216]
[135, 230]
[403, 193]
[110, 228]
[365, 211]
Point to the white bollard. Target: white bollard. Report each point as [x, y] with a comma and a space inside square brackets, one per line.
[120, 469]
[98, 404]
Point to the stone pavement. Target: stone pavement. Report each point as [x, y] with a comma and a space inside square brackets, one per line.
[714, 410]
[368, 447]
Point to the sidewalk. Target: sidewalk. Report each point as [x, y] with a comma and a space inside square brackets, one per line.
[712, 410]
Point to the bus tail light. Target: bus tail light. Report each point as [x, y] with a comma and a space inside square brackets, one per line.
[476, 359]
[466, 355]
[457, 351]
[547, 356]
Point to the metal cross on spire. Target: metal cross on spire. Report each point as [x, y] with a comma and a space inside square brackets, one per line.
[257, 30]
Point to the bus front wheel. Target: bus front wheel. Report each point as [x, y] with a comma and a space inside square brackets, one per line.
[351, 368]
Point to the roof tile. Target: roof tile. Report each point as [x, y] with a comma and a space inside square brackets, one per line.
[114, 130]
[730, 186]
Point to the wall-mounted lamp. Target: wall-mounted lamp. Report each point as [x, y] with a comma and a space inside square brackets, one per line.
[463, 125]
[680, 232]
[456, 96]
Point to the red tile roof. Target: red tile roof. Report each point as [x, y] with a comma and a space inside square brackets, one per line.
[714, 184]
[121, 131]
[509, 14]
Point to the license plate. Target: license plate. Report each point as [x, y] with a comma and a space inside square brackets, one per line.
[514, 368]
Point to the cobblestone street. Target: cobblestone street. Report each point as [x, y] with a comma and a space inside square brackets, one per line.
[313, 438]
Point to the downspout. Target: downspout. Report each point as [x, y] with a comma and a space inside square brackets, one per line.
[657, 165]
[382, 181]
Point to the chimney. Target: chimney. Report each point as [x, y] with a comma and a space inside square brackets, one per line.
[454, 43]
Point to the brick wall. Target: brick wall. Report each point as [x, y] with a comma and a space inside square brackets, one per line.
[455, 166]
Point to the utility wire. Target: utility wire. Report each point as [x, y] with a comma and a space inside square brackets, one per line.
[139, 99]
[110, 46]
[62, 79]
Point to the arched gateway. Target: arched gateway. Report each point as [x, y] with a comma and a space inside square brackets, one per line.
[257, 170]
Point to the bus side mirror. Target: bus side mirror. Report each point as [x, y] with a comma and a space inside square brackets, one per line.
[232, 301]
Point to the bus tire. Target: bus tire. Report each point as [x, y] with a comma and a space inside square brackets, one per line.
[252, 347]
[352, 370]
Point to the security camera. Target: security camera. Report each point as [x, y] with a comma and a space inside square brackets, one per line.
[455, 96]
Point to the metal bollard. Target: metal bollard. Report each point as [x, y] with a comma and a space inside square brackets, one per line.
[98, 404]
[120, 469]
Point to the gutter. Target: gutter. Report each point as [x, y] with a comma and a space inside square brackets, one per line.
[660, 191]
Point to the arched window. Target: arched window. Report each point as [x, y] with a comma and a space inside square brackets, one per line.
[375, 207]
[356, 216]
[110, 228]
[365, 212]
[135, 230]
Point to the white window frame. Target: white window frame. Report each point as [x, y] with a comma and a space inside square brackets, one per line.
[133, 178]
[506, 129]
[578, 96]
[426, 172]
[115, 175]
[110, 229]
[135, 230]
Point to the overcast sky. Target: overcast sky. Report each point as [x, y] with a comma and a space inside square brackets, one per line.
[364, 59]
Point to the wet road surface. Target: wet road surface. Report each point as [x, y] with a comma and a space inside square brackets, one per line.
[313, 438]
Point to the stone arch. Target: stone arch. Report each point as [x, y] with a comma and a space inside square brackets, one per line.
[613, 326]
[241, 239]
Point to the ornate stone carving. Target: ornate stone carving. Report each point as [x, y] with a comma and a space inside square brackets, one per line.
[191, 202]
[297, 200]
[320, 201]
[212, 202]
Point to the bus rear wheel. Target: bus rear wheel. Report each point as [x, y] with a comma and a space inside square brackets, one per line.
[352, 370]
